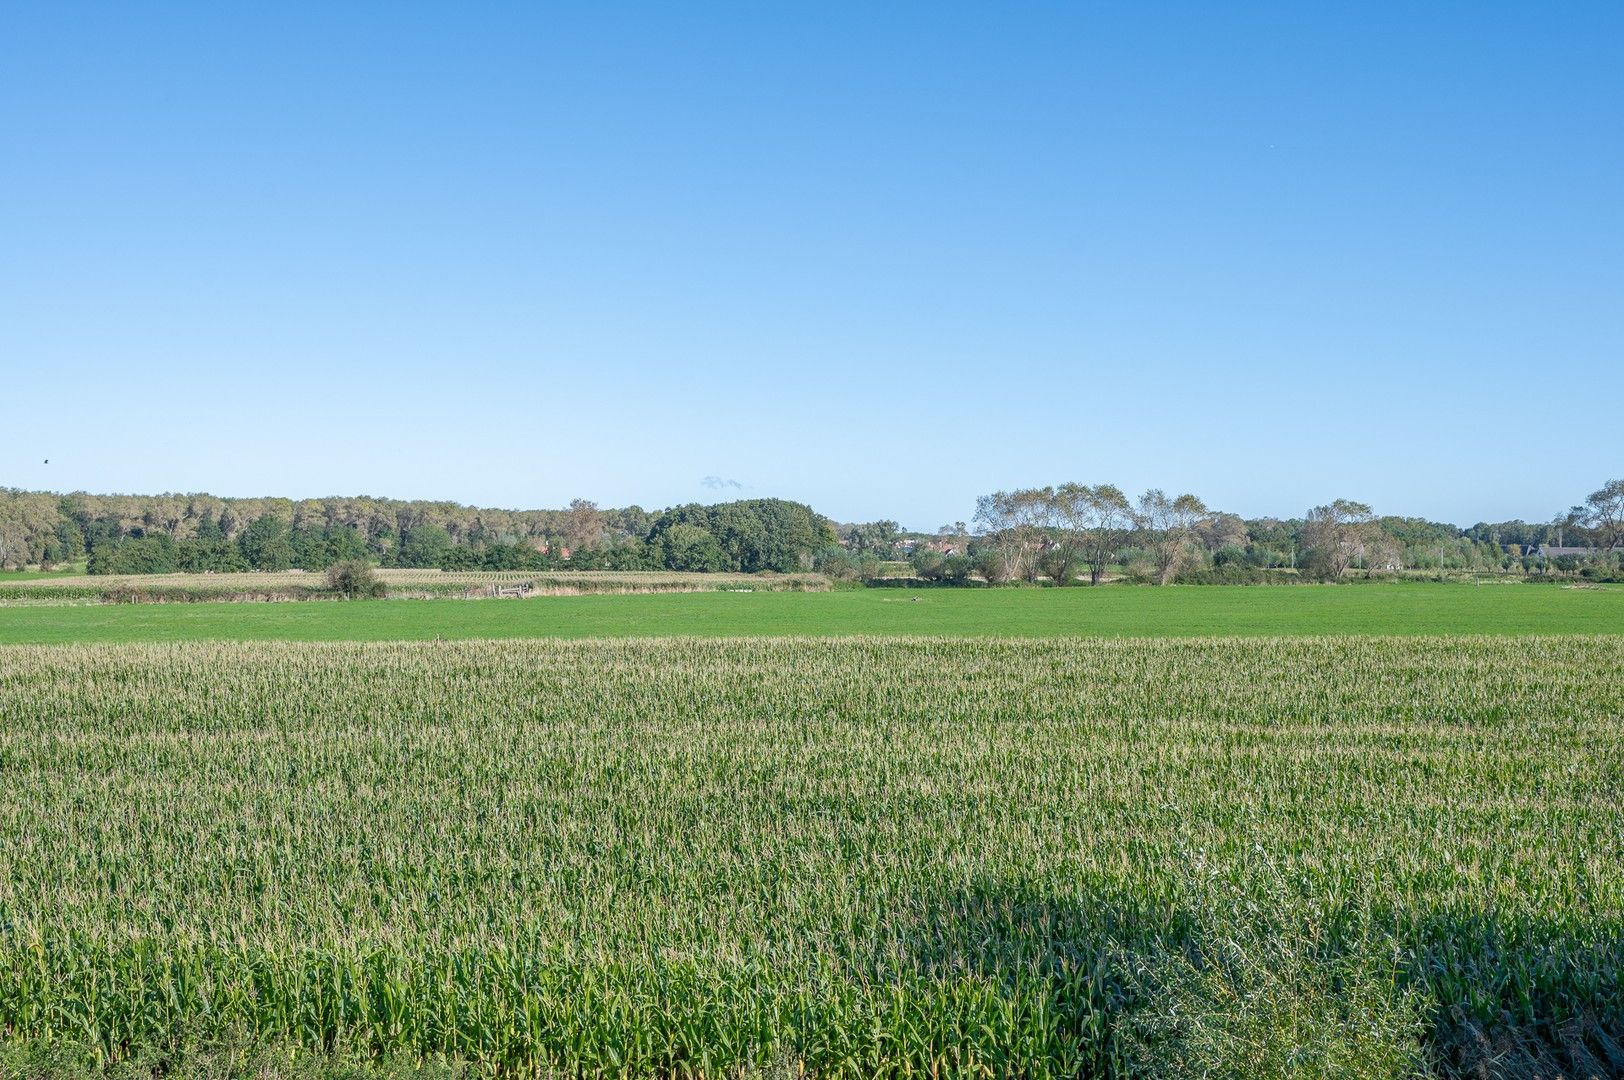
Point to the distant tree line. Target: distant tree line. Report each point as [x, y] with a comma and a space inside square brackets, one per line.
[1061, 534]
[1055, 534]
[122, 534]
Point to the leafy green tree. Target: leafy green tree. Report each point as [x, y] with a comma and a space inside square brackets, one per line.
[1059, 560]
[740, 533]
[751, 534]
[153, 554]
[1604, 513]
[463, 557]
[583, 524]
[1101, 516]
[345, 542]
[503, 557]
[208, 527]
[1168, 526]
[632, 555]
[1335, 535]
[876, 537]
[843, 564]
[1013, 527]
[265, 544]
[309, 548]
[70, 541]
[219, 556]
[684, 546]
[423, 546]
[935, 566]
[927, 563]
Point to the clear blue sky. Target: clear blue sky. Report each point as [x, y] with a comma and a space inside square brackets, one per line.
[881, 258]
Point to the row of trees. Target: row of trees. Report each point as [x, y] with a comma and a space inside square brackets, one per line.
[1028, 534]
[113, 538]
[42, 528]
[1053, 531]
[1057, 532]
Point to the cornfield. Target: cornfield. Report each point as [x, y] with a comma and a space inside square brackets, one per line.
[412, 584]
[880, 857]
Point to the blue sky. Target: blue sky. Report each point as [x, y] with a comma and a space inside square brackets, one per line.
[881, 258]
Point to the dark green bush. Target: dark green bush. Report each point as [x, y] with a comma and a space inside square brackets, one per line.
[353, 579]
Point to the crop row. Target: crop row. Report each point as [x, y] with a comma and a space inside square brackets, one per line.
[303, 585]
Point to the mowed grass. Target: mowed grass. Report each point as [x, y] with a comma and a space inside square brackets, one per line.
[1282, 857]
[1117, 611]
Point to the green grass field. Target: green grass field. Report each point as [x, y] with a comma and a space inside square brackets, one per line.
[1351, 831]
[1117, 611]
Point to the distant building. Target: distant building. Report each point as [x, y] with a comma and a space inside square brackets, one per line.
[1551, 551]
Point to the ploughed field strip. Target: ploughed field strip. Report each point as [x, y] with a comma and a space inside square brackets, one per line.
[407, 584]
[851, 857]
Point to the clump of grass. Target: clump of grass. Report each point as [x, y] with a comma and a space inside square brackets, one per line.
[1267, 982]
